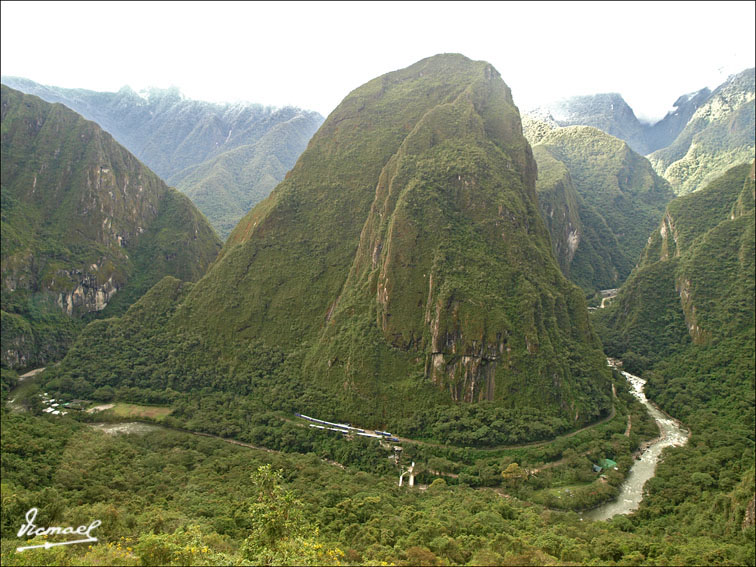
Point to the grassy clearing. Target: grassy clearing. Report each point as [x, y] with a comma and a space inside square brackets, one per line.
[576, 496]
[156, 413]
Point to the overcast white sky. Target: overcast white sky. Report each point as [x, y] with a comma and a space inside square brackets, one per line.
[313, 54]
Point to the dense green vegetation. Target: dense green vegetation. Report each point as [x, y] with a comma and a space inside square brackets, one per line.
[401, 279]
[225, 157]
[131, 364]
[8, 380]
[308, 278]
[174, 498]
[600, 201]
[244, 419]
[685, 319]
[84, 226]
[719, 134]
[250, 418]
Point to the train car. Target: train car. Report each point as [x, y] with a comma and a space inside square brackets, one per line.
[345, 428]
[308, 418]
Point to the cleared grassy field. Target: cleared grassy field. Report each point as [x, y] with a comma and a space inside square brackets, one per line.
[158, 413]
[577, 496]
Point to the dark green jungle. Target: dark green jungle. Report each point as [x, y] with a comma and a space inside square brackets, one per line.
[422, 270]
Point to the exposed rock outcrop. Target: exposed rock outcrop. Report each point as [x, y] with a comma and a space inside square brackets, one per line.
[84, 224]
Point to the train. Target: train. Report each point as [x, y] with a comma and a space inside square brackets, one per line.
[308, 418]
[345, 428]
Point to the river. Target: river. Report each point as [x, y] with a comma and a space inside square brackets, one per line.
[631, 491]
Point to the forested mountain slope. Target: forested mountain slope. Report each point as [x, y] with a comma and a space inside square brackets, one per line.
[225, 157]
[685, 319]
[694, 282]
[599, 199]
[720, 133]
[85, 226]
[401, 266]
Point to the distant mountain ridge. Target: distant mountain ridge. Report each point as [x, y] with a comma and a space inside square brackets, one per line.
[611, 114]
[720, 133]
[608, 112]
[699, 139]
[186, 142]
[662, 133]
[86, 227]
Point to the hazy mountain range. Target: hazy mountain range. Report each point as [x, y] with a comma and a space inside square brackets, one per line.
[225, 157]
[85, 226]
[694, 143]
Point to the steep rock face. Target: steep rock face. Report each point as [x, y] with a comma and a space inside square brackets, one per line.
[558, 200]
[407, 245]
[618, 200]
[716, 277]
[688, 219]
[225, 157]
[419, 211]
[721, 132]
[83, 222]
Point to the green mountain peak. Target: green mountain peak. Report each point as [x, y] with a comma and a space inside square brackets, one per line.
[403, 265]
